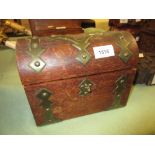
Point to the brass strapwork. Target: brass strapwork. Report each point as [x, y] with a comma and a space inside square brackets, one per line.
[125, 53]
[35, 51]
[45, 102]
[81, 45]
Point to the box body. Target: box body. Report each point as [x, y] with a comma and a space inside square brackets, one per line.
[63, 78]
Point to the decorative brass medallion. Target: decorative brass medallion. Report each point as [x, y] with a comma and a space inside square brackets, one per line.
[37, 64]
[85, 87]
[125, 54]
[44, 96]
[120, 87]
[83, 57]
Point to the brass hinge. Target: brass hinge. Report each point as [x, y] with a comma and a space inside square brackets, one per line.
[44, 96]
[121, 83]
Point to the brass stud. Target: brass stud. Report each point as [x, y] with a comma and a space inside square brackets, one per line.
[44, 94]
[126, 54]
[122, 81]
[47, 109]
[88, 89]
[84, 56]
[37, 63]
[121, 37]
[86, 84]
[35, 45]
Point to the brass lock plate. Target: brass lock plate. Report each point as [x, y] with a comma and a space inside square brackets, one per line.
[85, 87]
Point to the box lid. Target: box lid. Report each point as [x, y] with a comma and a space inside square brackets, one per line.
[59, 57]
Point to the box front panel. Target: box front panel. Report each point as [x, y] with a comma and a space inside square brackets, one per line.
[59, 100]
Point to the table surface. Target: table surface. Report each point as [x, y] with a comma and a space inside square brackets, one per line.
[138, 117]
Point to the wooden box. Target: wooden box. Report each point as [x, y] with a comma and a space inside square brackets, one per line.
[147, 40]
[46, 27]
[67, 76]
